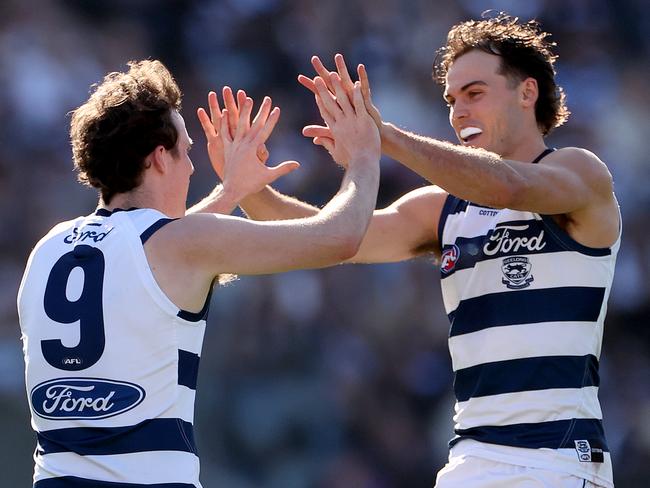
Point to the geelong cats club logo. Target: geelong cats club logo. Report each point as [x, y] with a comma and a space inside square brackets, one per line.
[516, 272]
[449, 258]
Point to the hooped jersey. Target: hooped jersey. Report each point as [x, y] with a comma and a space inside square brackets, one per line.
[111, 362]
[526, 304]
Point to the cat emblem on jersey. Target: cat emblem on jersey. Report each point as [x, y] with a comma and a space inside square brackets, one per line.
[516, 272]
[449, 259]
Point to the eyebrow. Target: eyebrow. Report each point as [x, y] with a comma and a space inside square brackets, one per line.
[465, 87]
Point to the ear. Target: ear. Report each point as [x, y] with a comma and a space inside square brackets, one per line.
[157, 160]
[529, 92]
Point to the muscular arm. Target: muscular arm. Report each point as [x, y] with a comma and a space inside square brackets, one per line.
[234, 245]
[568, 181]
[187, 254]
[565, 181]
[326, 238]
[270, 204]
[403, 230]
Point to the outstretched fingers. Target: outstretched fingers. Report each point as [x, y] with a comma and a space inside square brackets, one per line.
[215, 110]
[208, 126]
[226, 136]
[241, 100]
[230, 108]
[322, 71]
[267, 127]
[326, 100]
[308, 83]
[357, 98]
[262, 115]
[342, 69]
[365, 85]
[341, 96]
[243, 123]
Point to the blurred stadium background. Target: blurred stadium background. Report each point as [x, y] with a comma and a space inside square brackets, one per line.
[335, 378]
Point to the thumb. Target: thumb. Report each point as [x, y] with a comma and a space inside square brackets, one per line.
[326, 142]
[284, 168]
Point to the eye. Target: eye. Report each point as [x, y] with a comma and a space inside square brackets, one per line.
[474, 93]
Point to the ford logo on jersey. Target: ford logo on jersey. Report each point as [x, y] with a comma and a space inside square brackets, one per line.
[84, 398]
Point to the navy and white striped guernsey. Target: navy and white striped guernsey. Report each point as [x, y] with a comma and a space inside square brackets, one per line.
[526, 304]
[111, 362]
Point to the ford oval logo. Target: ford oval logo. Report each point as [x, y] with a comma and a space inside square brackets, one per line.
[84, 398]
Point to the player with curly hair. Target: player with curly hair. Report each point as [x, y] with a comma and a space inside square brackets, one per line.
[113, 304]
[527, 238]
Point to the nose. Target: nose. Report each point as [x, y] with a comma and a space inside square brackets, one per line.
[456, 114]
[458, 111]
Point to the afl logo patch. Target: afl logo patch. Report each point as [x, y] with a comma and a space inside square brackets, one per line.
[449, 259]
[84, 398]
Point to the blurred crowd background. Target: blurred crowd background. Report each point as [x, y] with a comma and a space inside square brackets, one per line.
[337, 378]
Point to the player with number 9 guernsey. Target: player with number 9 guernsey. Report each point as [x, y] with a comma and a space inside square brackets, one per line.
[113, 305]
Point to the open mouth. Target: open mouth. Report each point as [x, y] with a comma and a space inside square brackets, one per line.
[468, 134]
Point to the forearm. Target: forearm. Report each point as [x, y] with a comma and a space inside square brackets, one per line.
[468, 173]
[218, 201]
[270, 204]
[356, 198]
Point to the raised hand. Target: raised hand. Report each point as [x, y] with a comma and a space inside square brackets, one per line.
[346, 82]
[229, 134]
[350, 132]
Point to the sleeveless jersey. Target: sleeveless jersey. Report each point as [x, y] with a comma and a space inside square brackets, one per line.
[526, 304]
[111, 362]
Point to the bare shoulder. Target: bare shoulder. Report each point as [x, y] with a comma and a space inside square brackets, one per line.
[597, 223]
[421, 209]
[188, 241]
[425, 200]
[174, 256]
[190, 229]
[583, 164]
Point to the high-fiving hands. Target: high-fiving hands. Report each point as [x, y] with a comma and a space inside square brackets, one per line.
[350, 132]
[322, 135]
[236, 147]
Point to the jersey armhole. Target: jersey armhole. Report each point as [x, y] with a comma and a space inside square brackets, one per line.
[151, 230]
[571, 244]
[452, 205]
[182, 314]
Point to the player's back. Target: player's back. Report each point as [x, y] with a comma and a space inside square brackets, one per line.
[111, 362]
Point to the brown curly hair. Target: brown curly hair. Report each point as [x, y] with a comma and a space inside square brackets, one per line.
[126, 117]
[524, 52]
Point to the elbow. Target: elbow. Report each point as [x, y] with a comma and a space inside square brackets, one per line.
[344, 247]
[511, 194]
[347, 247]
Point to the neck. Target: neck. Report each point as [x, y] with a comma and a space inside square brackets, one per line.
[137, 198]
[527, 147]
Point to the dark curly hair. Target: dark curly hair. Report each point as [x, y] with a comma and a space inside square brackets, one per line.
[126, 117]
[524, 52]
